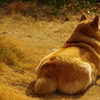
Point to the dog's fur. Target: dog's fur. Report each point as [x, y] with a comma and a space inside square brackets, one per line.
[73, 67]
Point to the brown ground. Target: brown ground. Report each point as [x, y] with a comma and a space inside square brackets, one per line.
[36, 39]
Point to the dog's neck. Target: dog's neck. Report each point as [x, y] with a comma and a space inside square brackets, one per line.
[87, 30]
[82, 38]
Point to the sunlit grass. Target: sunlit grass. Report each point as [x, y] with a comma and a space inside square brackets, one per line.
[12, 56]
[8, 93]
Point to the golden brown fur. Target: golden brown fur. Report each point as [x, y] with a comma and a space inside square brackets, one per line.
[74, 66]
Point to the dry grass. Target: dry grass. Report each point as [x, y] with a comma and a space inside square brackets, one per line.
[12, 56]
[7, 93]
[34, 39]
[9, 54]
[41, 11]
[18, 7]
[33, 9]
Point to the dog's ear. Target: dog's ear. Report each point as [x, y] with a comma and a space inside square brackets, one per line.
[83, 17]
[95, 21]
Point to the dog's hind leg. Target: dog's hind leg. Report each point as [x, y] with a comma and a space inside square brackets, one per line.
[44, 86]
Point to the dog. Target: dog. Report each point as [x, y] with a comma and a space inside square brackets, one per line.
[75, 65]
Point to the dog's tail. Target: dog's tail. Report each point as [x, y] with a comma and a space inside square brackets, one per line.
[44, 86]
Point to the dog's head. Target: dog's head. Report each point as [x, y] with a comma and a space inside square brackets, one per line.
[88, 27]
[85, 29]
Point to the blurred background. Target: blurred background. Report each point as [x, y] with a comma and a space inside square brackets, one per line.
[49, 9]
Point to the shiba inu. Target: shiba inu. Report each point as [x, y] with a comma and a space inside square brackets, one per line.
[74, 66]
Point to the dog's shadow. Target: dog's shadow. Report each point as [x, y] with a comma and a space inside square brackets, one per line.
[30, 92]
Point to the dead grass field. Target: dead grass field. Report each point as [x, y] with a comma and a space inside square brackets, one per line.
[35, 39]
